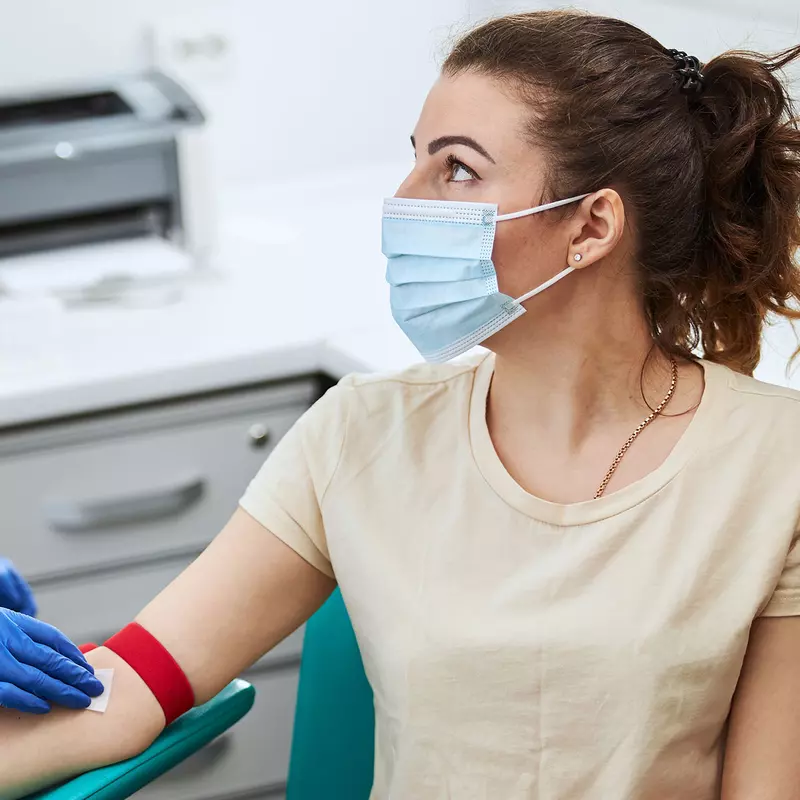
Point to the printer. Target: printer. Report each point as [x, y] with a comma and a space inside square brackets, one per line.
[104, 163]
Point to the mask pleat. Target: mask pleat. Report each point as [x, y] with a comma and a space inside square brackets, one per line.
[429, 295]
[456, 312]
[401, 270]
[431, 239]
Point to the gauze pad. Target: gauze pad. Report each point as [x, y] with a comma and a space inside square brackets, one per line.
[106, 677]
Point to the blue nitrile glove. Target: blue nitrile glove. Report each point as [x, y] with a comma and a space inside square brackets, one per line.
[14, 592]
[40, 666]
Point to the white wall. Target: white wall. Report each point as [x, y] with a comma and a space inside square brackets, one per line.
[313, 85]
[703, 28]
[323, 84]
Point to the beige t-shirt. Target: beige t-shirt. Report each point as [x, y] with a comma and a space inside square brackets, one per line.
[519, 648]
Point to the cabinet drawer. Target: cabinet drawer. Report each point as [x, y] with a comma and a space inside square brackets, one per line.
[93, 609]
[133, 485]
[254, 755]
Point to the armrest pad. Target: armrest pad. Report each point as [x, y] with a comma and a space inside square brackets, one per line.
[185, 736]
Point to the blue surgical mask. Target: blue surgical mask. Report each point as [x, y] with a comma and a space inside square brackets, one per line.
[443, 285]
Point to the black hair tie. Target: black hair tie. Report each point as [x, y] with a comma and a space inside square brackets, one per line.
[688, 67]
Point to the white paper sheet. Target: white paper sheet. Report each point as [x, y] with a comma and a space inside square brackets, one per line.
[75, 268]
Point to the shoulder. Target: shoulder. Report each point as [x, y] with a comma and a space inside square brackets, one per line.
[354, 422]
[749, 392]
[756, 414]
[422, 374]
[366, 409]
[377, 391]
[360, 397]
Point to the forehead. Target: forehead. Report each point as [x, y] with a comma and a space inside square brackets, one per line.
[475, 105]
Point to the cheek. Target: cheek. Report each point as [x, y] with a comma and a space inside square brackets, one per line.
[525, 254]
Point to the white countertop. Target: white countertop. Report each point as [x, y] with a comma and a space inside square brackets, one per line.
[298, 287]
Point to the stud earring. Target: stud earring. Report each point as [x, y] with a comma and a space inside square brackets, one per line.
[577, 256]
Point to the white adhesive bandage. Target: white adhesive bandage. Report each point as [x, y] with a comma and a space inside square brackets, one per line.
[106, 677]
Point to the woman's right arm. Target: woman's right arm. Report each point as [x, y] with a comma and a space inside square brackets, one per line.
[243, 595]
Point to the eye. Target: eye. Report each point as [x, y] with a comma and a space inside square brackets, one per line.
[460, 172]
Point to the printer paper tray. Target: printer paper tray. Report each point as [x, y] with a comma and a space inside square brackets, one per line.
[28, 237]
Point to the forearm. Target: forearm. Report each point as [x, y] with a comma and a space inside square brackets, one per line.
[242, 596]
[38, 751]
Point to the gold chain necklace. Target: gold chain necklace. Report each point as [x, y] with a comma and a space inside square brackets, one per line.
[639, 428]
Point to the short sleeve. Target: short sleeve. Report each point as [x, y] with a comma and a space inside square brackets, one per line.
[785, 600]
[286, 494]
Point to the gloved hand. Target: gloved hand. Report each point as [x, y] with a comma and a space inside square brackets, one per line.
[14, 592]
[40, 666]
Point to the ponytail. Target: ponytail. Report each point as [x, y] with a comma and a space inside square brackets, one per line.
[750, 233]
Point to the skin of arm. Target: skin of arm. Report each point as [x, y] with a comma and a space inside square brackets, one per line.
[37, 751]
[762, 756]
[243, 595]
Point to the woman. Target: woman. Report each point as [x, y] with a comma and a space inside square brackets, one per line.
[571, 564]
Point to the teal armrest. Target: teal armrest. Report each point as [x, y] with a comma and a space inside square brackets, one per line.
[184, 737]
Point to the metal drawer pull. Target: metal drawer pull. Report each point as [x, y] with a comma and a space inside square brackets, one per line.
[78, 516]
[259, 435]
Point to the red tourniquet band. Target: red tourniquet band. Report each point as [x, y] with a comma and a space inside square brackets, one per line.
[155, 666]
[87, 648]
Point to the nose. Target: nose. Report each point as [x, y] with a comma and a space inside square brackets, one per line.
[413, 187]
[406, 188]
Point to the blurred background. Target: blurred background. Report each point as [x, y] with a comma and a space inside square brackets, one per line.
[292, 88]
[190, 254]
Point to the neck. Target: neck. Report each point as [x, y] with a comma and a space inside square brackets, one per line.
[578, 378]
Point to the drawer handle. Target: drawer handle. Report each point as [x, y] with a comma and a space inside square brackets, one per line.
[85, 515]
[202, 761]
[259, 435]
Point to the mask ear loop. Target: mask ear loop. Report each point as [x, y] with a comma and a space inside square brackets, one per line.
[545, 285]
[546, 207]
[525, 213]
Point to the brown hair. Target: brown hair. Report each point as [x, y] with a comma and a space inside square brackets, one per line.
[711, 182]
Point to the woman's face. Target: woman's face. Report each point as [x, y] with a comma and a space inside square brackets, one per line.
[470, 144]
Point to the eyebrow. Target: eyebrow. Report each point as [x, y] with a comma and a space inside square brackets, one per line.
[445, 141]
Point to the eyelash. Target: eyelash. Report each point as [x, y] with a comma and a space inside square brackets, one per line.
[452, 162]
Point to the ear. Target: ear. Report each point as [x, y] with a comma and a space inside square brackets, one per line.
[596, 228]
